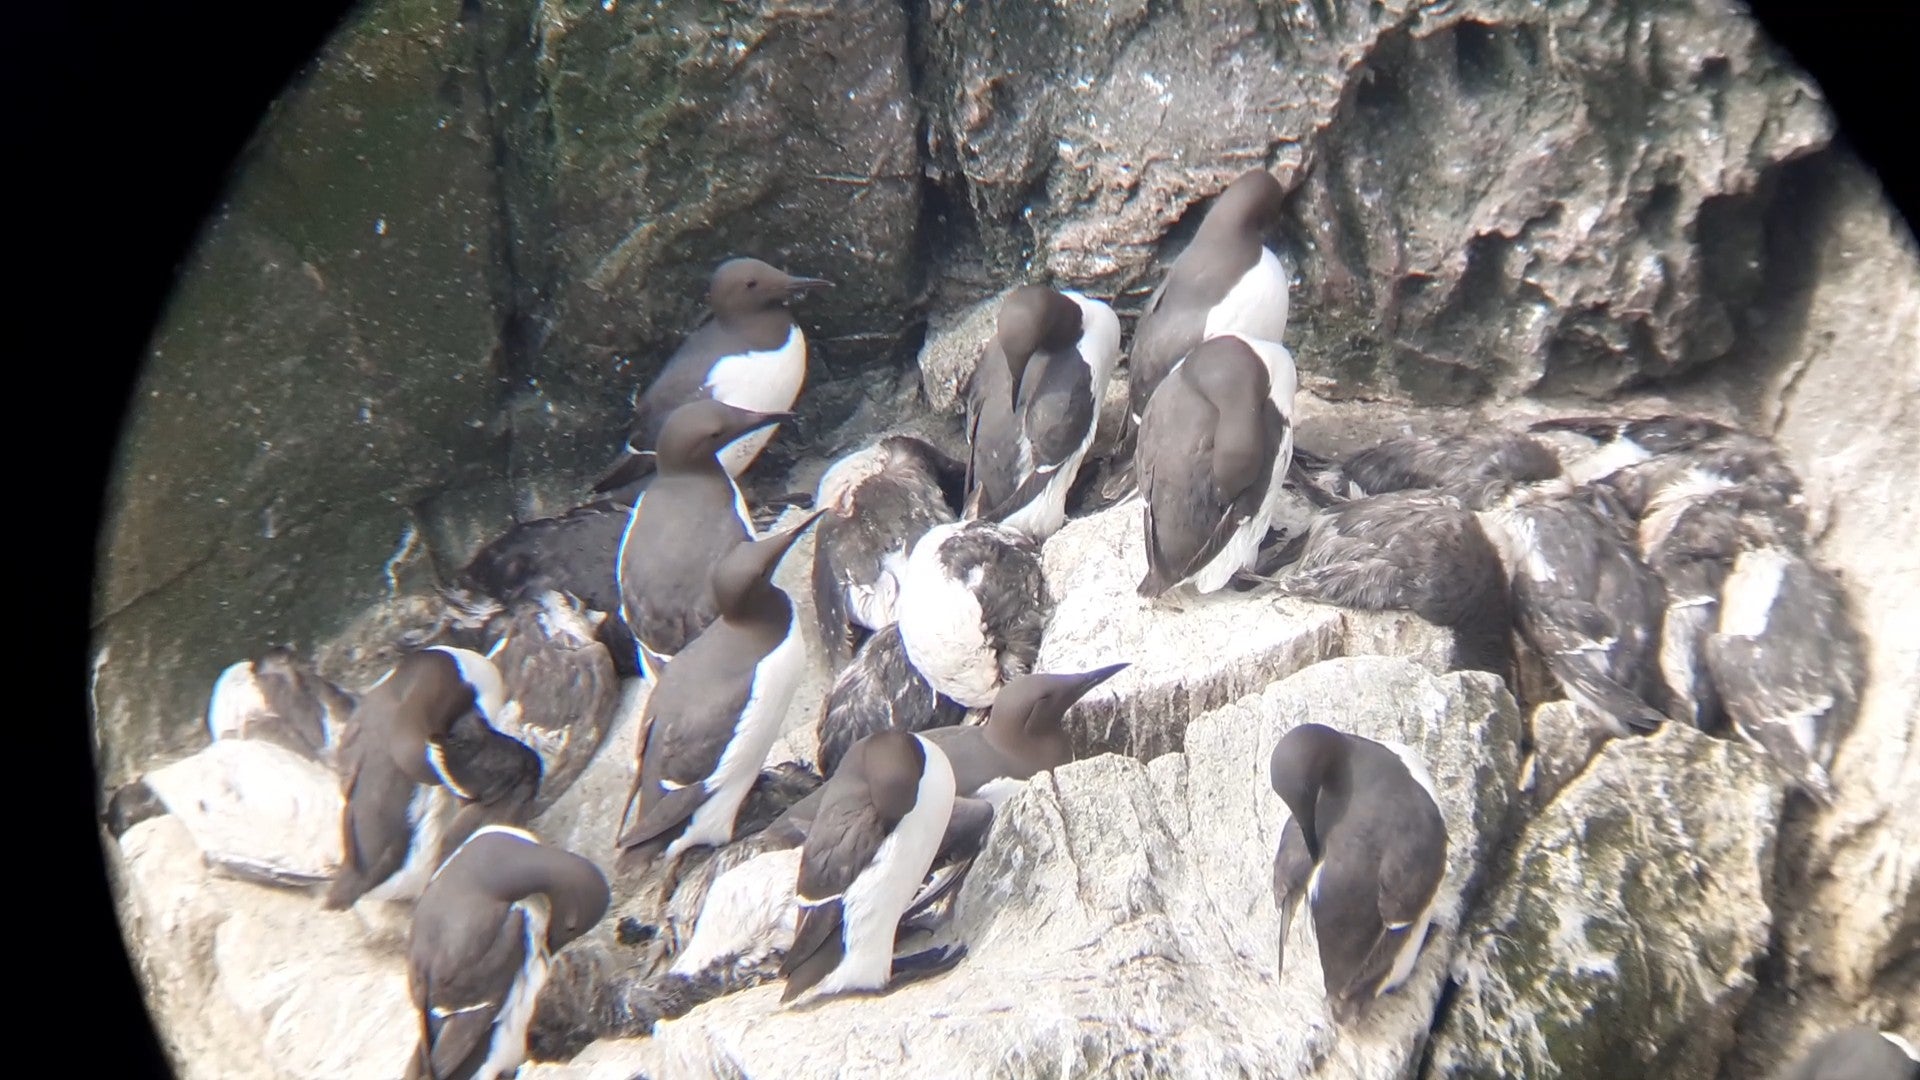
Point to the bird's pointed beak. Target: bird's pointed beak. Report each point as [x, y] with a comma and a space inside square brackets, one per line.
[801, 286]
[1087, 680]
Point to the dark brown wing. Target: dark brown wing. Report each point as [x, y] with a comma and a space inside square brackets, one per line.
[840, 845]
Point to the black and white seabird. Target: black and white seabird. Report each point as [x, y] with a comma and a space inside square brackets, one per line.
[398, 808]
[1212, 461]
[880, 689]
[1477, 468]
[881, 821]
[1857, 1053]
[750, 355]
[878, 502]
[483, 938]
[1679, 442]
[1033, 402]
[576, 553]
[565, 683]
[1226, 281]
[972, 608]
[717, 709]
[1787, 662]
[279, 699]
[1586, 602]
[1412, 551]
[1371, 824]
[690, 516]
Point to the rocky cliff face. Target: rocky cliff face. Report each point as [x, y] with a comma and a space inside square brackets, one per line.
[458, 249]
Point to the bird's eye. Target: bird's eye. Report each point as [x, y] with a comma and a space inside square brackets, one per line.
[753, 284]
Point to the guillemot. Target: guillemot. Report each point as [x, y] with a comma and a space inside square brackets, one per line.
[878, 502]
[1787, 662]
[880, 689]
[1373, 832]
[1412, 551]
[1477, 468]
[397, 809]
[1212, 461]
[1033, 402]
[972, 608]
[482, 941]
[278, 698]
[1586, 602]
[688, 518]
[1226, 281]
[564, 681]
[880, 823]
[716, 710]
[750, 355]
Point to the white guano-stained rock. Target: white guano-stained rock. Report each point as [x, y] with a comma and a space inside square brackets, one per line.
[1121, 919]
[1194, 654]
[1625, 938]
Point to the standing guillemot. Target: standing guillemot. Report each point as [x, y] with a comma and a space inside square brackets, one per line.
[1787, 662]
[880, 822]
[565, 682]
[397, 809]
[1418, 552]
[880, 689]
[1033, 402]
[279, 699]
[1857, 1053]
[750, 355]
[879, 501]
[972, 608]
[1586, 602]
[716, 711]
[483, 937]
[1371, 825]
[690, 516]
[1476, 468]
[1212, 461]
[1226, 281]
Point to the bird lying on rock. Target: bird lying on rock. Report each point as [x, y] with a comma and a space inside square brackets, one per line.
[1857, 1053]
[972, 608]
[1412, 551]
[878, 501]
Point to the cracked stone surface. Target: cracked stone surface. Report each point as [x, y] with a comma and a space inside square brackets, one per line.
[1626, 938]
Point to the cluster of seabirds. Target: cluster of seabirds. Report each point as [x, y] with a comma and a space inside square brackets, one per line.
[1662, 576]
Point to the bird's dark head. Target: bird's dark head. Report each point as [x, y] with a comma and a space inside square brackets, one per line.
[578, 897]
[746, 573]
[1034, 318]
[890, 762]
[744, 286]
[1251, 204]
[697, 431]
[1029, 711]
[1307, 759]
